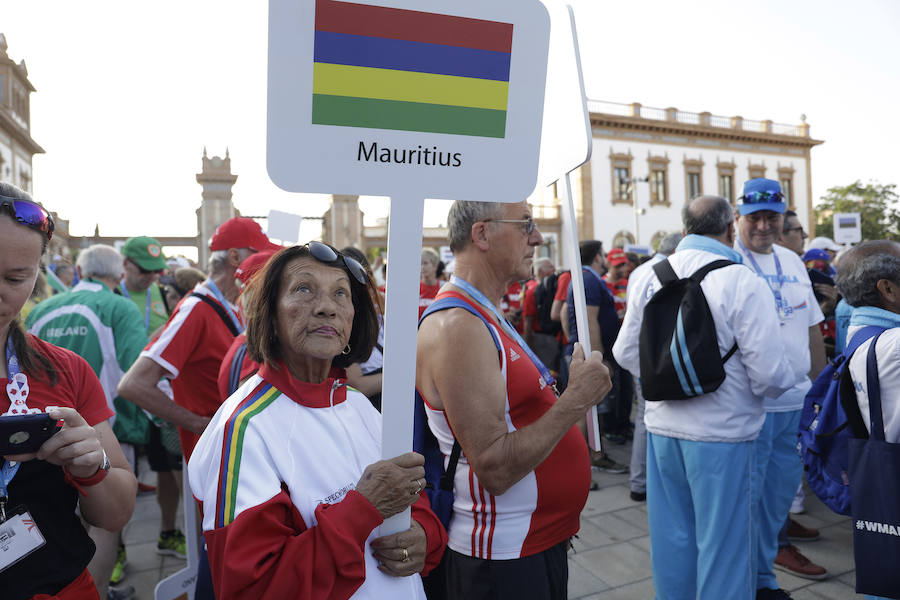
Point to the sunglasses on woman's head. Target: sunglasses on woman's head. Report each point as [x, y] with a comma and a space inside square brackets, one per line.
[29, 214]
[326, 254]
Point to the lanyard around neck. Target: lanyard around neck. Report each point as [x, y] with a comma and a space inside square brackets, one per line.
[225, 304]
[8, 471]
[779, 275]
[481, 299]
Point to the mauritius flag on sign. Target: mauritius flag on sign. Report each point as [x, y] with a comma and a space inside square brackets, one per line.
[389, 68]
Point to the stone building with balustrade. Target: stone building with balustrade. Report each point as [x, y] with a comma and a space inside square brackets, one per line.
[646, 162]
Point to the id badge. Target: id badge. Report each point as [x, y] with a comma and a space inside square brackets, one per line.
[19, 537]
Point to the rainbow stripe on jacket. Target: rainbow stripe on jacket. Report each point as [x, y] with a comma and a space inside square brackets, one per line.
[232, 445]
[390, 68]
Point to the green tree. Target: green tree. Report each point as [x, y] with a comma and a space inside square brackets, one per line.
[876, 203]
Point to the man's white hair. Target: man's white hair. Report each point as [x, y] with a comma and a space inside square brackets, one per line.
[218, 261]
[101, 261]
[541, 263]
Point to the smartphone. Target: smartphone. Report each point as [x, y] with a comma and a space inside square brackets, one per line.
[24, 434]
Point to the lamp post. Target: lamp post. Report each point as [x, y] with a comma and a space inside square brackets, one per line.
[630, 181]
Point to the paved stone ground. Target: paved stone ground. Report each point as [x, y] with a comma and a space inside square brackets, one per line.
[612, 553]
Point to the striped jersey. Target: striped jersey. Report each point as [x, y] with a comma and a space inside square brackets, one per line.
[308, 443]
[543, 508]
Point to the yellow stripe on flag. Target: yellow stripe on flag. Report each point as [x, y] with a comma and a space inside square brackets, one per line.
[407, 86]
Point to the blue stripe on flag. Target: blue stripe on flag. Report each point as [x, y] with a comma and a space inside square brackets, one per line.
[402, 55]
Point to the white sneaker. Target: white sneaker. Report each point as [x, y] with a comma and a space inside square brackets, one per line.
[797, 507]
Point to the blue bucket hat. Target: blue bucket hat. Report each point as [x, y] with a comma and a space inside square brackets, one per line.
[761, 194]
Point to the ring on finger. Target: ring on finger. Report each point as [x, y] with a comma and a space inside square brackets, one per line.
[405, 554]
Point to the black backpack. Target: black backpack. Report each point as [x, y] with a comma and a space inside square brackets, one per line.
[678, 346]
[543, 300]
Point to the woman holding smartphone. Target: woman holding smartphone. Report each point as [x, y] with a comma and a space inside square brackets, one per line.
[45, 548]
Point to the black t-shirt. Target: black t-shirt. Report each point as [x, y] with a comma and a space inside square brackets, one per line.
[41, 488]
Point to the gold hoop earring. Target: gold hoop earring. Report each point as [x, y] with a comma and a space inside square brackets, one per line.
[346, 350]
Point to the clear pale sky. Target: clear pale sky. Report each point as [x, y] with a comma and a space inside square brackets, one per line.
[128, 94]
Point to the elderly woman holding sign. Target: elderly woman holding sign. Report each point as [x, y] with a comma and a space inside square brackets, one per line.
[288, 471]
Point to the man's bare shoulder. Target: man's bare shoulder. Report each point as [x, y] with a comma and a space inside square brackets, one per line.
[448, 327]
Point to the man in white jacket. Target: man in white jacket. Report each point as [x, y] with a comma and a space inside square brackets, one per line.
[761, 211]
[700, 452]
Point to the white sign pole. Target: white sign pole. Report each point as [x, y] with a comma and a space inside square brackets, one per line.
[570, 233]
[400, 320]
[180, 585]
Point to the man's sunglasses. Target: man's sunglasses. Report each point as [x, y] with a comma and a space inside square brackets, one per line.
[142, 269]
[762, 197]
[29, 214]
[529, 223]
[326, 254]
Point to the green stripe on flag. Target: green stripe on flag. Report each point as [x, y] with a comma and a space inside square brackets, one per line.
[407, 116]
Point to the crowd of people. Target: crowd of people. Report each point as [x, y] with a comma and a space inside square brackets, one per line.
[262, 376]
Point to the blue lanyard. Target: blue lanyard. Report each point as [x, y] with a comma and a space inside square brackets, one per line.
[481, 299]
[9, 470]
[779, 299]
[221, 298]
[146, 308]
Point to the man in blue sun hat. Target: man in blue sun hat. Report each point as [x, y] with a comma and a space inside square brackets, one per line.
[760, 219]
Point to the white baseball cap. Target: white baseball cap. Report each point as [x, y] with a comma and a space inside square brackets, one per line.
[824, 243]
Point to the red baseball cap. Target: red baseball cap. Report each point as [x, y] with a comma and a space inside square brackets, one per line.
[616, 257]
[253, 263]
[241, 232]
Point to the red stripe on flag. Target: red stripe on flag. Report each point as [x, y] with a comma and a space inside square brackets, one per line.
[412, 25]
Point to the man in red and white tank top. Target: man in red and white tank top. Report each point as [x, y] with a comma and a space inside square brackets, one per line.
[524, 473]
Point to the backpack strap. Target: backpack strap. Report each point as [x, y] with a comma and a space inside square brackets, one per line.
[847, 392]
[452, 302]
[446, 482]
[666, 275]
[221, 311]
[873, 389]
[665, 272]
[234, 371]
[700, 273]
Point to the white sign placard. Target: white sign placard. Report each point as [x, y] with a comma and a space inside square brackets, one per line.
[847, 228]
[566, 137]
[644, 250]
[284, 226]
[418, 97]
[410, 99]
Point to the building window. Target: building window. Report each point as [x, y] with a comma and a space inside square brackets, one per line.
[622, 239]
[659, 181]
[693, 178]
[25, 180]
[726, 187]
[756, 171]
[786, 179]
[726, 180]
[621, 175]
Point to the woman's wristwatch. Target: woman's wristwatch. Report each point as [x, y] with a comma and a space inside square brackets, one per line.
[94, 479]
